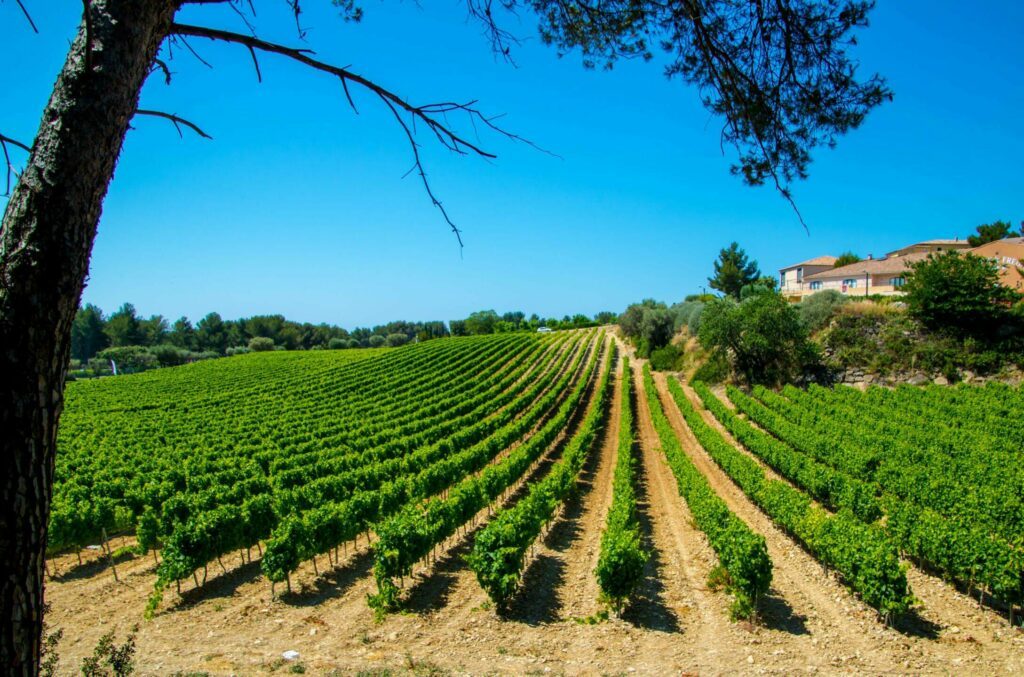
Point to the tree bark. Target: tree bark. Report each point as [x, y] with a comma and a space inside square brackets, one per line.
[45, 242]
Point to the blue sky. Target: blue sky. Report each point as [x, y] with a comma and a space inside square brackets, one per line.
[298, 206]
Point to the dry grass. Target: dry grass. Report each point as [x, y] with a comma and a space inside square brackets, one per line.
[870, 309]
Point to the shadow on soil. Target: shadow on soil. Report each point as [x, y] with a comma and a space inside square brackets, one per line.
[431, 591]
[333, 583]
[915, 625]
[648, 608]
[539, 600]
[222, 585]
[777, 614]
[90, 567]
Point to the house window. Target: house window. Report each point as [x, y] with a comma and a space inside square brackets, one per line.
[850, 283]
[782, 280]
[799, 275]
[816, 285]
[897, 281]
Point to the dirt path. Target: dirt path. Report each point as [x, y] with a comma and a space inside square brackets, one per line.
[584, 518]
[844, 631]
[687, 556]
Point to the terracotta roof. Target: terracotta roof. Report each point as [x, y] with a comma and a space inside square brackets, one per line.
[892, 264]
[1008, 244]
[938, 242]
[816, 261]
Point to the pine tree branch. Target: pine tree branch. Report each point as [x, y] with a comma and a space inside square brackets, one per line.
[27, 16]
[175, 120]
[11, 171]
[433, 116]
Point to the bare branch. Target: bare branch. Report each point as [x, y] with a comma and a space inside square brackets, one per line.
[162, 66]
[433, 116]
[11, 171]
[256, 65]
[194, 52]
[418, 168]
[501, 40]
[425, 114]
[15, 142]
[27, 16]
[175, 120]
[348, 95]
[242, 16]
[297, 10]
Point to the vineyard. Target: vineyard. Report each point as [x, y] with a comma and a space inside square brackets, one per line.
[530, 497]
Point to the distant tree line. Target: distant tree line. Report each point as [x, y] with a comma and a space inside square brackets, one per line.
[490, 322]
[135, 343]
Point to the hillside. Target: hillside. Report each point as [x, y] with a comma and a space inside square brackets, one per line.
[466, 488]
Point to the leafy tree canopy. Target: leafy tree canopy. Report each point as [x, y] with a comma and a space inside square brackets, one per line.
[797, 90]
[650, 324]
[123, 327]
[87, 335]
[733, 271]
[845, 259]
[630, 320]
[958, 293]
[762, 337]
[990, 232]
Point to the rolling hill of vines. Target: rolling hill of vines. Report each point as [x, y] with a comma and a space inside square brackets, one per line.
[298, 455]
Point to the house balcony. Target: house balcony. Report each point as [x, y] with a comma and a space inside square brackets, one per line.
[797, 291]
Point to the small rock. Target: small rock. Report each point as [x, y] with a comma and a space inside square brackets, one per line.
[941, 381]
[312, 631]
[955, 629]
[290, 655]
[750, 659]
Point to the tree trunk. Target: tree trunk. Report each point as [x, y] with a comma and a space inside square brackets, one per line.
[45, 242]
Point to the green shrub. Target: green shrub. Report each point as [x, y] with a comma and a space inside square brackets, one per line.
[958, 293]
[714, 370]
[761, 336]
[649, 324]
[817, 310]
[666, 358]
[693, 322]
[260, 344]
[885, 343]
[128, 358]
